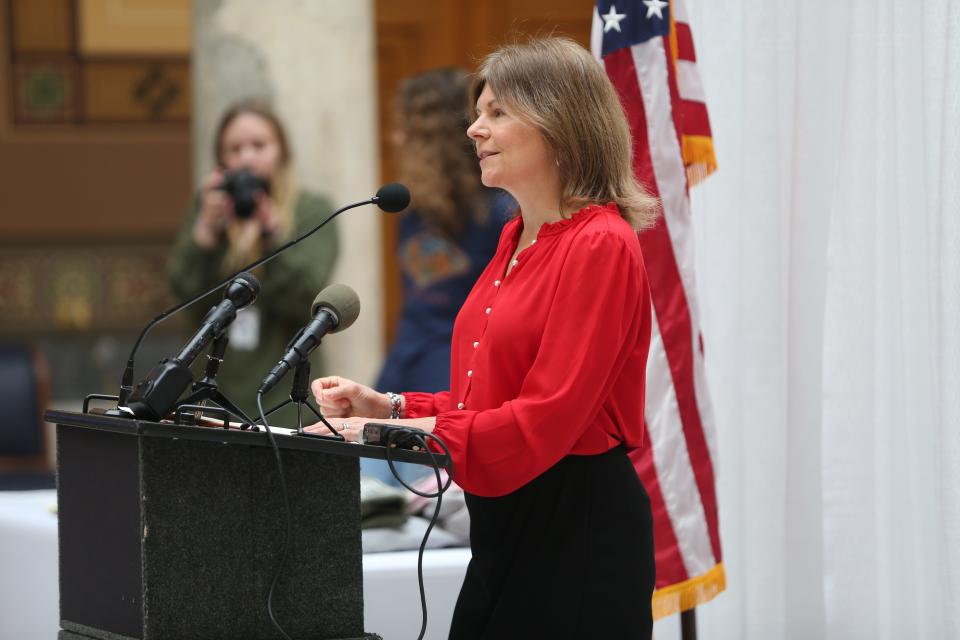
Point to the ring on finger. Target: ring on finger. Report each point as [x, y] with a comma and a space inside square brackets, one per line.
[344, 425]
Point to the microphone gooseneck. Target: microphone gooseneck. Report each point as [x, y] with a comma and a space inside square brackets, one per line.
[393, 195]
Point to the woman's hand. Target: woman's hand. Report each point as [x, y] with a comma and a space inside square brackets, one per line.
[341, 398]
[261, 225]
[349, 428]
[216, 210]
[266, 215]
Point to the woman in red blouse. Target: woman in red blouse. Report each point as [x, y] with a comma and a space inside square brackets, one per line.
[548, 363]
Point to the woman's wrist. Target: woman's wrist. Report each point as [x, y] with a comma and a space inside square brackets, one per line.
[204, 236]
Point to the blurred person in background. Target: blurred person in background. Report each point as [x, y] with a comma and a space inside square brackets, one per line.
[247, 206]
[445, 238]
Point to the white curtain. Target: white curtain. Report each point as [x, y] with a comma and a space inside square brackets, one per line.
[829, 274]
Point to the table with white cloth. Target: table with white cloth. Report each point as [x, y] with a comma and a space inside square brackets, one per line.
[29, 592]
[29, 588]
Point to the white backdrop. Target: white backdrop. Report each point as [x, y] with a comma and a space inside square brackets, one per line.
[829, 272]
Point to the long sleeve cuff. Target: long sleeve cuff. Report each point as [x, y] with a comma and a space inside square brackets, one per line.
[420, 405]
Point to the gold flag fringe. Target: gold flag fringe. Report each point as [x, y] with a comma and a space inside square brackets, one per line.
[689, 593]
[698, 158]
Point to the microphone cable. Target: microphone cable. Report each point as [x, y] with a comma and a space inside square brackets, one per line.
[418, 436]
[289, 518]
[421, 437]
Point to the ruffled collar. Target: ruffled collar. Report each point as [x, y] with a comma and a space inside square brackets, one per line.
[552, 228]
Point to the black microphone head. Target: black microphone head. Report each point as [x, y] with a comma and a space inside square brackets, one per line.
[392, 197]
[342, 301]
[242, 290]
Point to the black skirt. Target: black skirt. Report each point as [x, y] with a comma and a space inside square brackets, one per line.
[569, 555]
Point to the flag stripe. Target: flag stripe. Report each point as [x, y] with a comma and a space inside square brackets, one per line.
[680, 484]
[694, 118]
[692, 126]
[672, 462]
[685, 50]
[674, 258]
[705, 404]
[671, 568]
[688, 82]
[651, 62]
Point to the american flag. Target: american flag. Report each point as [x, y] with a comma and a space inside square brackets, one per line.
[647, 50]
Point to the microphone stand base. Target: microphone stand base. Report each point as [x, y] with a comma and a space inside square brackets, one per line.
[223, 405]
[299, 395]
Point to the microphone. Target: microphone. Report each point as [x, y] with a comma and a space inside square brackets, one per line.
[155, 395]
[334, 309]
[392, 198]
[241, 292]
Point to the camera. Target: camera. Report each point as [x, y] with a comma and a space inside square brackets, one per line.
[242, 186]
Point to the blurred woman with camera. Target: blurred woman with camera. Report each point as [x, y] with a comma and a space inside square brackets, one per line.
[247, 206]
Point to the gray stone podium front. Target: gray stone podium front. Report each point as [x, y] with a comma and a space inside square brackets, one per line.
[172, 531]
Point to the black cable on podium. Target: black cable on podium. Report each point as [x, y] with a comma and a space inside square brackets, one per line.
[422, 438]
[394, 437]
[289, 517]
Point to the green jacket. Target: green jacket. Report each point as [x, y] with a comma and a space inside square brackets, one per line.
[288, 285]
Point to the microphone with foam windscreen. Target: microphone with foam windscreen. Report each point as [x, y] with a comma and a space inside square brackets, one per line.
[392, 197]
[334, 309]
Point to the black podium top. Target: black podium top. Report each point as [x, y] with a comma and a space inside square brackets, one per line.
[146, 428]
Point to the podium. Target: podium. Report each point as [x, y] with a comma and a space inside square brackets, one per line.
[170, 531]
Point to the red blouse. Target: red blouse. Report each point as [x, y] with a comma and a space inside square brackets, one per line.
[549, 360]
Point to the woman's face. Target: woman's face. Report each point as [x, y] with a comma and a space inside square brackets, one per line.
[250, 142]
[512, 153]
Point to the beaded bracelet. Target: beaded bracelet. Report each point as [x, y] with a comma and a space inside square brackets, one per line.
[394, 404]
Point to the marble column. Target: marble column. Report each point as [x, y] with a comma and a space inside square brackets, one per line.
[315, 62]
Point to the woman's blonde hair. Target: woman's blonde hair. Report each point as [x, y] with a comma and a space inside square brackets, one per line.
[243, 249]
[435, 159]
[557, 86]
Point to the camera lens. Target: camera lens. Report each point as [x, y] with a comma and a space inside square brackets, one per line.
[243, 186]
